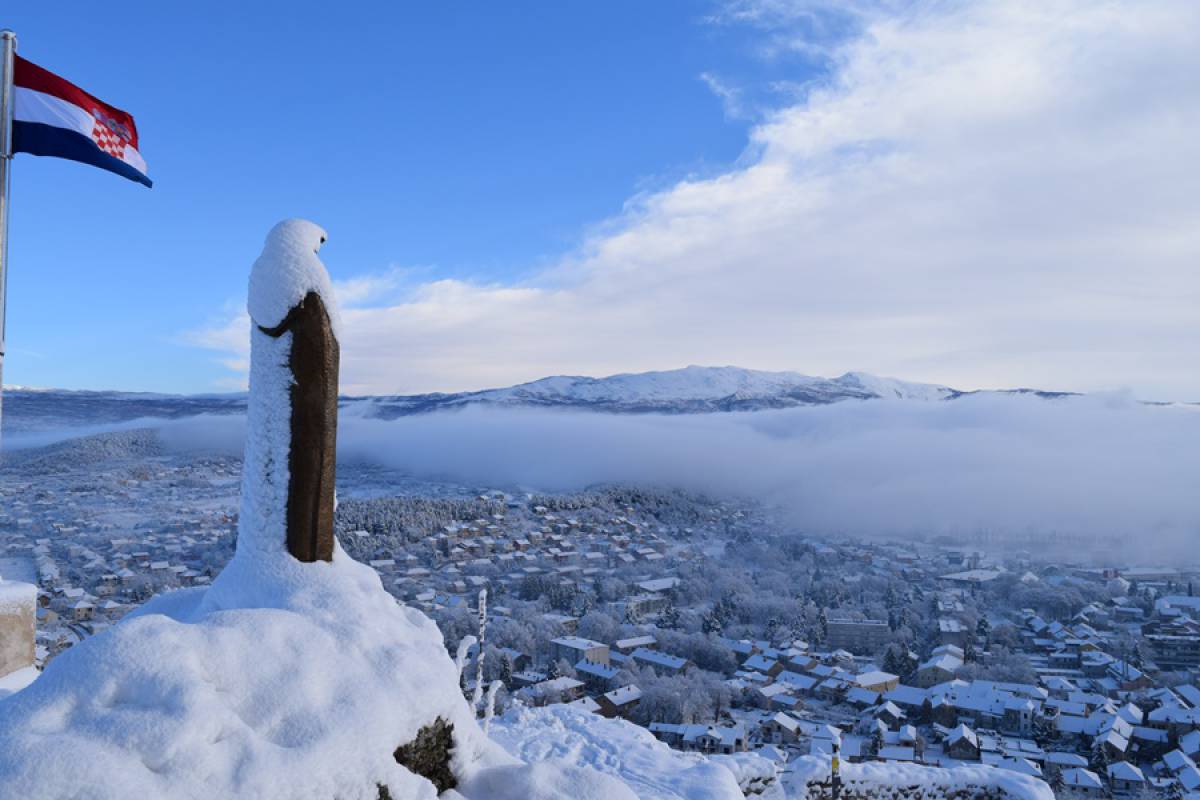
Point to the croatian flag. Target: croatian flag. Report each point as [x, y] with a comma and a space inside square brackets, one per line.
[53, 117]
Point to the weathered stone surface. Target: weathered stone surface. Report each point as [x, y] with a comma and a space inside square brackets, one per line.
[428, 755]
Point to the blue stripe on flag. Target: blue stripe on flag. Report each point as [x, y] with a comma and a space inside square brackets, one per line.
[39, 139]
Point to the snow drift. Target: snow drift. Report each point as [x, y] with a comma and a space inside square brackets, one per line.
[564, 734]
[904, 781]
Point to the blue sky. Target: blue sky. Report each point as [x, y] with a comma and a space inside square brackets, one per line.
[983, 194]
[469, 142]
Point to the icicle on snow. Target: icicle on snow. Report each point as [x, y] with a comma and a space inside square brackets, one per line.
[477, 697]
[460, 659]
[490, 708]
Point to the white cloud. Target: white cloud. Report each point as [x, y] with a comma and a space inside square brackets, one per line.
[983, 194]
[732, 98]
[368, 288]
[1097, 470]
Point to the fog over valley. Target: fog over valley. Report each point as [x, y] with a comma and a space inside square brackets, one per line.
[1105, 468]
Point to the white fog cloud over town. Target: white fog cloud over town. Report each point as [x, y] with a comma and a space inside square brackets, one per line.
[1101, 467]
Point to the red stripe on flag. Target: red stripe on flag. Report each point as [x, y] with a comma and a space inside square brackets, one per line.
[28, 75]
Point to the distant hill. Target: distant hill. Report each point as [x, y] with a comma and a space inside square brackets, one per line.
[692, 390]
[681, 391]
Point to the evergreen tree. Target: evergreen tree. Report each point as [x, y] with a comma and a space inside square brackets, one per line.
[877, 741]
[1098, 759]
[894, 660]
[984, 630]
[1057, 784]
[506, 670]
[669, 618]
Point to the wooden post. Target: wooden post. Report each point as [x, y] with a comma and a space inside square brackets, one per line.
[313, 362]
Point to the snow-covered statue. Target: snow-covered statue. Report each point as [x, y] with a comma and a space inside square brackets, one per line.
[288, 477]
[295, 674]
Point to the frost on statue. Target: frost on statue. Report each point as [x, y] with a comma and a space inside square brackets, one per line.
[288, 482]
[295, 675]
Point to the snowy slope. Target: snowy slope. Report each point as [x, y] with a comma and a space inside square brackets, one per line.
[565, 734]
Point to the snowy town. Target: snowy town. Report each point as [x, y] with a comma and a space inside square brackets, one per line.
[711, 623]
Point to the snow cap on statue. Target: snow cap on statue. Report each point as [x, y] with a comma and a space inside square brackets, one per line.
[287, 270]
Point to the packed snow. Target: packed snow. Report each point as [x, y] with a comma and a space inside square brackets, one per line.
[932, 781]
[565, 734]
[15, 681]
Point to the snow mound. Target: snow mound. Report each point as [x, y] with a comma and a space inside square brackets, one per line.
[566, 735]
[899, 779]
[296, 691]
[541, 782]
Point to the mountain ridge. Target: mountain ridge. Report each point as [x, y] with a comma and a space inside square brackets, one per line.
[690, 390]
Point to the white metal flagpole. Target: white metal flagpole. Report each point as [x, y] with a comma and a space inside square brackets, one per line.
[8, 40]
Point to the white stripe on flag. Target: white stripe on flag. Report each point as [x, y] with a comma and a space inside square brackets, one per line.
[34, 106]
[31, 106]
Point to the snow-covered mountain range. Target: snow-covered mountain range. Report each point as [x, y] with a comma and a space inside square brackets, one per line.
[680, 391]
[690, 390]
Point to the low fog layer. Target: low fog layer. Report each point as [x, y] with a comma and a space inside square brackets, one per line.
[1101, 467]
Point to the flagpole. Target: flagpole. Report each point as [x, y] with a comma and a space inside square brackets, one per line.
[8, 40]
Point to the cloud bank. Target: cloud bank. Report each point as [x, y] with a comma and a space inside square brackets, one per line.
[1090, 469]
[981, 194]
